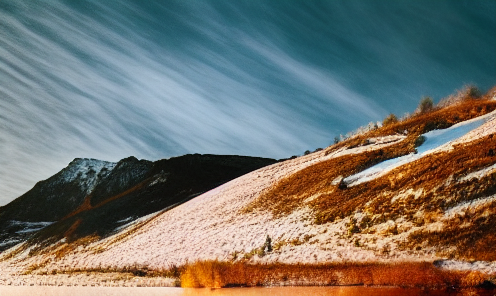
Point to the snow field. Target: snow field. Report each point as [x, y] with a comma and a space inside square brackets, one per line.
[86, 170]
[436, 141]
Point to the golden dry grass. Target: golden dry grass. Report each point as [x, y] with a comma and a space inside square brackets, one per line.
[429, 174]
[217, 274]
[470, 235]
[289, 193]
[134, 270]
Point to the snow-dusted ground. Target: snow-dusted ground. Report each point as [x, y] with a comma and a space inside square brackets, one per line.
[86, 170]
[479, 174]
[29, 226]
[435, 141]
[482, 266]
[213, 226]
[87, 279]
[90, 291]
[473, 205]
[191, 232]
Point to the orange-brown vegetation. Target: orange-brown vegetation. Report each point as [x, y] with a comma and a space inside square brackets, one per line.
[471, 234]
[62, 249]
[428, 174]
[216, 274]
[390, 119]
[465, 93]
[87, 203]
[73, 228]
[134, 270]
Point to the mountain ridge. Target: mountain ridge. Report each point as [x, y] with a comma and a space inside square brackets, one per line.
[90, 184]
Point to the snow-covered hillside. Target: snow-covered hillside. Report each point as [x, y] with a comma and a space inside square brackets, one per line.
[436, 140]
[214, 225]
[336, 205]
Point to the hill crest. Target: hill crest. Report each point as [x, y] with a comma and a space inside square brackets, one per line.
[439, 206]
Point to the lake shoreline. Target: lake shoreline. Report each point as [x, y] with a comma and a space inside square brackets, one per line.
[217, 274]
[251, 291]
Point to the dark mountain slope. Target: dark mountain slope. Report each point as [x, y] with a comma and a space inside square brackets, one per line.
[52, 199]
[91, 197]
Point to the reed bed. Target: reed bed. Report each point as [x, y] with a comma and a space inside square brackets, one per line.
[217, 274]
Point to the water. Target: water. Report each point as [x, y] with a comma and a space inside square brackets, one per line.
[276, 291]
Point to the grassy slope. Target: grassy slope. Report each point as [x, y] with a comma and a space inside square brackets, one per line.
[406, 207]
[428, 174]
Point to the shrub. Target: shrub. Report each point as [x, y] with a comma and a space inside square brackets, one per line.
[352, 227]
[466, 93]
[473, 92]
[426, 105]
[268, 244]
[390, 119]
[419, 141]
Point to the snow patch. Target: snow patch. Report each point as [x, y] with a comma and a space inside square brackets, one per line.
[28, 230]
[479, 174]
[436, 140]
[29, 226]
[8, 242]
[125, 220]
[482, 266]
[386, 139]
[488, 127]
[406, 193]
[87, 172]
[159, 178]
[473, 204]
[135, 221]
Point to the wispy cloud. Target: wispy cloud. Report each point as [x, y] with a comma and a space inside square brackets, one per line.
[318, 83]
[73, 87]
[158, 79]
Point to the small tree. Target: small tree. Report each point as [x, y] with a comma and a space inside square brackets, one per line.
[473, 92]
[336, 139]
[419, 141]
[268, 244]
[426, 105]
[390, 119]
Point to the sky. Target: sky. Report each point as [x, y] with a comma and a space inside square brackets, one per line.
[158, 79]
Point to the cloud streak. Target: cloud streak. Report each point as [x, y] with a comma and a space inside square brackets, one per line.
[153, 79]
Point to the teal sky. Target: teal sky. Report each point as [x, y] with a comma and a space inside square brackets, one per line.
[156, 79]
